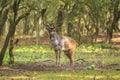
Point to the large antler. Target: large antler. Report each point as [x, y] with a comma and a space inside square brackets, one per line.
[49, 26]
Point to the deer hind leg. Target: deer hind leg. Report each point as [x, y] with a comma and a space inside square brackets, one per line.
[70, 55]
[57, 53]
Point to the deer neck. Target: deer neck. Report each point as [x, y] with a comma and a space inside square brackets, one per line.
[56, 41]
[54, 37]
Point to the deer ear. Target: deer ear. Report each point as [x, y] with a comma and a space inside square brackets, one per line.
[48, 28]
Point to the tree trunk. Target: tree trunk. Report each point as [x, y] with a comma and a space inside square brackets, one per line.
[26, 27]
[95, 35]
[114, 22]
[11, 46]
[4, 9]
[36, 24]
[60, 20]
[9, 35]
[69, 29]
[3, 18]
[3, 50]
[79, 31]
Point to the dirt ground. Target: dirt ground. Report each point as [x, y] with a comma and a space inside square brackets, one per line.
[50, 66]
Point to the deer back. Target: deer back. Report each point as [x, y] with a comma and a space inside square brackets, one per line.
[62, 42]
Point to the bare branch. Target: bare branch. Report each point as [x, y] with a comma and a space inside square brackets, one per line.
[22, 16]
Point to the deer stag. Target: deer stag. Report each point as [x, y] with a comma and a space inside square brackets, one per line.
[61, 43]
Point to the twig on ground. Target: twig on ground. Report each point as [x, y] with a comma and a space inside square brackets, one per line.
[81, 60]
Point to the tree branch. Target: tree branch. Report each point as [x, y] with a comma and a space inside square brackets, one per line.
[22, 16]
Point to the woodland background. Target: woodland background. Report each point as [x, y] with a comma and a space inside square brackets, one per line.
[87, 21]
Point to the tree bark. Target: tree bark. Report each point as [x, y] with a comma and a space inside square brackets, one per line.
[9, 35]
[3, 13]
[3, 19]
[11, 46]
[60, 19]
[36, 24]
[69, 29]
[26, 27]
[114, 22]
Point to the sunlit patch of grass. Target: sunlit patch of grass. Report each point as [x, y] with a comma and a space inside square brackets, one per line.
[32, 49]
[97, 52]
[62, 75]
[67, 75]
[96, 49]
[18, 77]
[31, 53]
[77, 75]
[90, 53]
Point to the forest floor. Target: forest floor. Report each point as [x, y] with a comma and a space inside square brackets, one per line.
[38, 69]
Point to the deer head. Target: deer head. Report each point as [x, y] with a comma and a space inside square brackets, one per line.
[50, 28]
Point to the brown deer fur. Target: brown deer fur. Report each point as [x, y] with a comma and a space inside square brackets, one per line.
[62, 43]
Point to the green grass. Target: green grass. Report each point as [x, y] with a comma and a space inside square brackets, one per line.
[66, 75]
[45, 52]
[90, 53]
[78, 75]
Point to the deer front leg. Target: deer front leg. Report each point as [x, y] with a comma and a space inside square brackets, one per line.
[57, 53]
